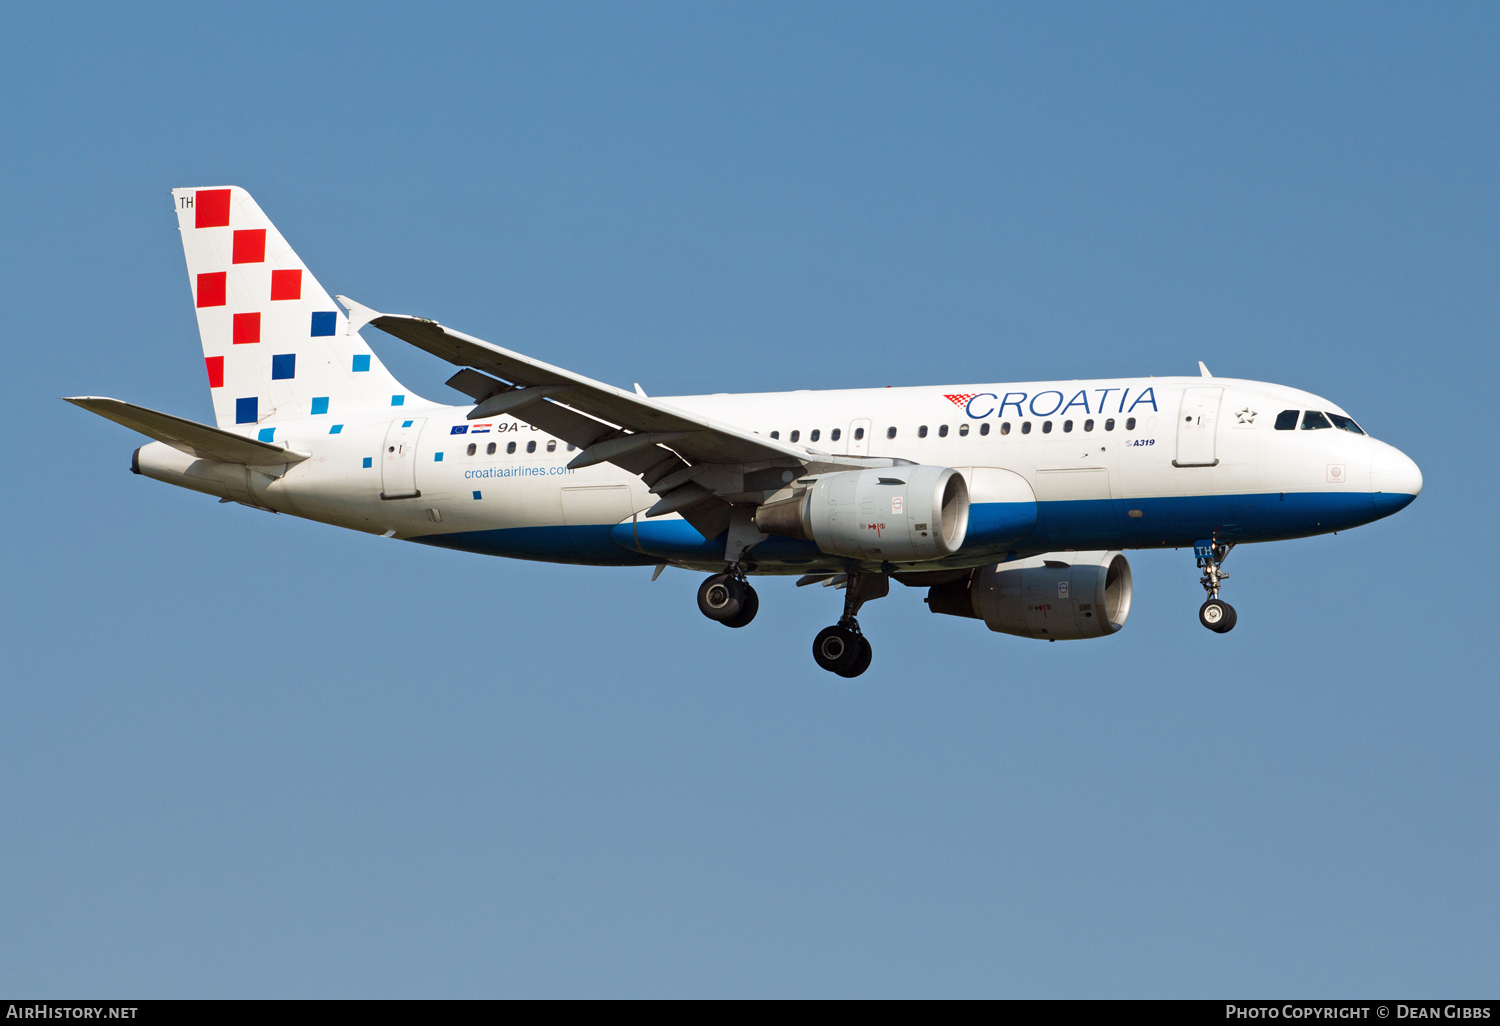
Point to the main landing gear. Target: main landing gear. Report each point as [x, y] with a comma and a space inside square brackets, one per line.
[728, 598]
[1215, 614]
[843, 649]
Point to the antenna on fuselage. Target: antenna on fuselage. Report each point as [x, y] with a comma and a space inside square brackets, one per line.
[1203, 370]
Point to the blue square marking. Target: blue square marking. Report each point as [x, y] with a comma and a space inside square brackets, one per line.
[320, 405]
[477, 495]
[398, 400]
[324, 322]
[266, 434]
[406, 423]
[362, 363]
[336, 429]
[437, 457]
[283, 366]
[245, 410]
[369, 462]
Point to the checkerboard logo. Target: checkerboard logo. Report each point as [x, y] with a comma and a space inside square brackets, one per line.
[960, 400]
[274, 346]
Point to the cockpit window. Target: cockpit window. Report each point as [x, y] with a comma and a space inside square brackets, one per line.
[1344, 423]
[1312, 420]
[1286, 420]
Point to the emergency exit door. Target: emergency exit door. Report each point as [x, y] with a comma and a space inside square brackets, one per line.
[859, 438]
[1197, 427]
[398, 463]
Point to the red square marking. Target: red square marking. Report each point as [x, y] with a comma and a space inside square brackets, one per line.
[246, 329]
[211, 208]
[286, 284]
[250, 246]
[211, 288]
[215, 371]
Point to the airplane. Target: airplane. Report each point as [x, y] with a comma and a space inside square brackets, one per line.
[1011, 503]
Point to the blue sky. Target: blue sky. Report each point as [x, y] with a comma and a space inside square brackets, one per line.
[246, 755]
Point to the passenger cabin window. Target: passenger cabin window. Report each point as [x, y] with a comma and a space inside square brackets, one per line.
[984, 428]
[531, 447]
[1286, 420]
[1312, 420]
[922, 431]
[1088, 425]
[1004, 427]
[775, 434]
[571, 447]
[859, 433]
[511, 447]
[890, 432]
[942, 430]
[1109, 425]
[1067, 425]
[813, 435]
[490, 449]
[795, 436]
[551, 445]
[1129, 423]
[473, 448]
[834, 434]
[1026, 427]
[1046, 427]
[963, 429]
[1343, 423]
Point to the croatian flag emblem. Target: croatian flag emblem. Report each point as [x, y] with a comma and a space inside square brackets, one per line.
[480, 429]
[960, 400]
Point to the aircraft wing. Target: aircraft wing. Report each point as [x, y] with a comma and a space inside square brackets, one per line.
[693, 462]
[696, 437]
[199, 440]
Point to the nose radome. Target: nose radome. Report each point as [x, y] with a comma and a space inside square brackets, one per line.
[1395, 478]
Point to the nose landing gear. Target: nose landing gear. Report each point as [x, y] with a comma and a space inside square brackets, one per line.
[843, 649]
[728, 598]
[1215, 614]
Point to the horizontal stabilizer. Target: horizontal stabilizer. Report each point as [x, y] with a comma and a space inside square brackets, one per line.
[200, 440]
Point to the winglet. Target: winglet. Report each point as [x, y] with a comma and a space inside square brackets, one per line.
[1201, 368]
[359, 314]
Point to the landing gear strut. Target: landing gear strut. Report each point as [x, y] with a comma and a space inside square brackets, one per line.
[843, 649]
[728, 598]
[1215, 614]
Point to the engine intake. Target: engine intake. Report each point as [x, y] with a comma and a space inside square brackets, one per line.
[899, 514]
[1059, 596]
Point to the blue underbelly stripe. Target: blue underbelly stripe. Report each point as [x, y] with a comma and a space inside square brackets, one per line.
[998, 529]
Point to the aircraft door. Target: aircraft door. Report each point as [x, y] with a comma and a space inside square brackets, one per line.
[1197, 426]
[398, 463]
[859, 438]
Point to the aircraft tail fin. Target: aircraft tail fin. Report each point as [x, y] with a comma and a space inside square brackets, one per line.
[274, 344]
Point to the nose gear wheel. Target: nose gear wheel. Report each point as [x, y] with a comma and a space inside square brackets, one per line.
[1215, 614]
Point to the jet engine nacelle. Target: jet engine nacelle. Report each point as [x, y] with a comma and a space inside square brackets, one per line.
[1059, 596]
[900, 514]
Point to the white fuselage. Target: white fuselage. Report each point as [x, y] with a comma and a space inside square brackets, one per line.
[1121, 463]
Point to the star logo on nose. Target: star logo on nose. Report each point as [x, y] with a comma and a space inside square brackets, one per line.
[1245, 416]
